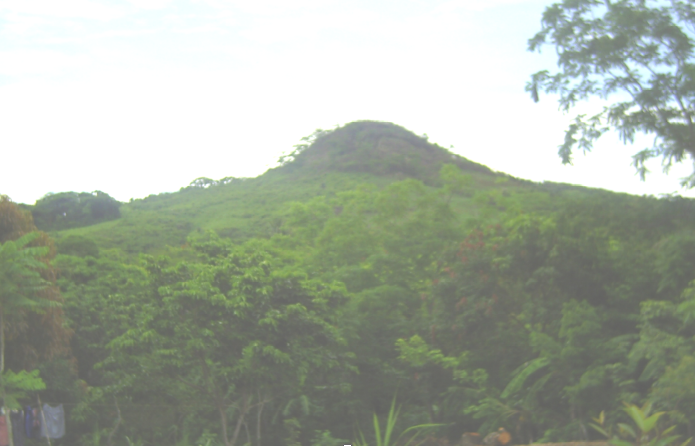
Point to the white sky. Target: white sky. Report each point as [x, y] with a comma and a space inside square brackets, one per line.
[140, 97]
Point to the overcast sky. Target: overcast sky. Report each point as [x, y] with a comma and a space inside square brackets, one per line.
[141, 97]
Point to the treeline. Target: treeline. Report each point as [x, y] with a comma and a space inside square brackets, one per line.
[534, 322]
[205, 182]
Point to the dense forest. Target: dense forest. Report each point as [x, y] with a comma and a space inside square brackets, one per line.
[370, 267]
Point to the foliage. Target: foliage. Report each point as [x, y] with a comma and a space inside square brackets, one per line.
[518, 381]
[16, 386]
[234, 331]
[637, 54]
[258, 207]
[79, 246]
[294, 305]
[391, 420]
[19, 278]
[645, 430]
[305, 143]
[204, 182]
[48, 336]
[71, 210]
[20, 282]
[14, 222]
[20, 285]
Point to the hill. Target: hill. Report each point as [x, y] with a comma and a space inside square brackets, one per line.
[379, 148]
[326, 163]
[375, 264]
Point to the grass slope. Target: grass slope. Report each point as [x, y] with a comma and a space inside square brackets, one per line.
[358, 154]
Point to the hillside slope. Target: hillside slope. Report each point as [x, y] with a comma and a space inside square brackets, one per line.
[359, 154]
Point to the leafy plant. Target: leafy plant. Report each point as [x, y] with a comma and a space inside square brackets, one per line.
[644, 432]
[385, 440]
[16, 386]
[519, 379]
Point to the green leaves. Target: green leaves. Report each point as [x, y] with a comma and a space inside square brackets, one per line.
[523, 320]
[417, 353]
[20, 281]
[641, 50]
[644, 422]
[518, 381]
[17, 386]
[599, 425]
[645, 430]
[230, 329]
[70, 210]
[19, 276]
[385, 439]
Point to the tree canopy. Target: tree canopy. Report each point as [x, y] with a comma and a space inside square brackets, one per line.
[70, 209]
[635, 54]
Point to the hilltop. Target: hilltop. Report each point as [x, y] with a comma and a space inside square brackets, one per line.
[379, 148]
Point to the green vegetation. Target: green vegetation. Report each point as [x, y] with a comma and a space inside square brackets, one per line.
[638, 53]
[243, 208]
[385, 440]
[20, 283]
[288, 309]
[645, 430]
[73, 210]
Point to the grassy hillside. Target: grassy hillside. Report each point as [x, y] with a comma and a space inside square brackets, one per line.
[239, 210]
[360, 154]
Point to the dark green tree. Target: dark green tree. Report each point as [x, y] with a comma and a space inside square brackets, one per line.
[637, 54]
[71, 209]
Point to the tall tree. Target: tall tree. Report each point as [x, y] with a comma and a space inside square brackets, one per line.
[638, 54]
[49, 334]
[20, 282]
